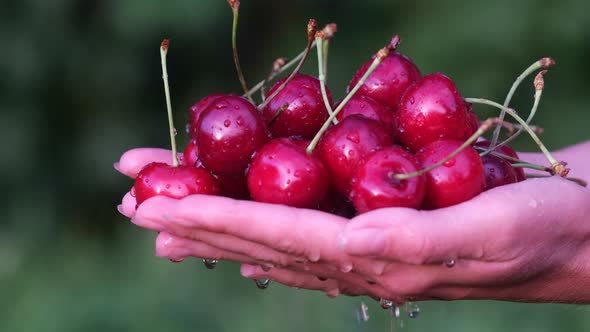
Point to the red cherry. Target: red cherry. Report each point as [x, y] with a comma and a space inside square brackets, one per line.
[233, 185]
[197, 108]
[190, 157]
[431, 109]
[283, 173]
[498, 172]
[457, 180]
[368, 107]
[345, 145]
[306, 112]
[176, 182]
[374, 187]
[229, 131]
[389, 81]
[506, 150]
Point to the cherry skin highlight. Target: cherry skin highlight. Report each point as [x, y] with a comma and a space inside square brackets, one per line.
[283, 173]
[368, 107]
[229, 131]
[175, 182]
[374, 185]
[499, 172]
[306, 112]
[430, 110]
[197, 108]
[388, 82]
[345, 145]
[455, 181]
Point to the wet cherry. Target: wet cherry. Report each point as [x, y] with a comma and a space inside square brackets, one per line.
[228, 132]
[389, 81]
[430, 110]
[176, 182]
[498, 171]
[190, 157]
[374, 185]
[367, 106]
[508, 151]
[197, 108]
[345, 145]
[457, 180]
[282, 172]
[306, 112]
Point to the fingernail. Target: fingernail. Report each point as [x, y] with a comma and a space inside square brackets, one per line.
[368, 242]
[248, 271]
[120, 209]
[116, 166]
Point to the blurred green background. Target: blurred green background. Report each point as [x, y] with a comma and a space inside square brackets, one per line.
[80, 84]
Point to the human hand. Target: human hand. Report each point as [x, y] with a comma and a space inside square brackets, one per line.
[523, 242]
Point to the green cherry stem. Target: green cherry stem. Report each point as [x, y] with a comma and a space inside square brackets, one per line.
[319, 39]
[487, 124]
[276, 67]
[163, 53]
[539, 85]
[329, 31]
[579, 181]
[558, 167]
[235, 8]
[542, 63]
[311, 30]
[382, 54]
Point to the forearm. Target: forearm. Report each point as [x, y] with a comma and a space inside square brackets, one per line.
[577, 158]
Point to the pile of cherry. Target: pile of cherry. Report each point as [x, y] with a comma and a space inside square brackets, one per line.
[398, 123]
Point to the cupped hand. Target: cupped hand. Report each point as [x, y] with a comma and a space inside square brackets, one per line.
[528, 241]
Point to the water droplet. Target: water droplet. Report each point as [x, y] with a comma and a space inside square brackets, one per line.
[412, 100]
[450, 263]
[187, 128]
[240, 121]
[168, 186]
[176, 260]
[266, 267]
[533, 203]
[262, 283]
[210, 263]
[385, 304]
[396, 312]
[226, 123]
[220, 106]
[449, 163]
[420, 119]
[412, 310]
[237, 107]
[174, 131]
[353, 137]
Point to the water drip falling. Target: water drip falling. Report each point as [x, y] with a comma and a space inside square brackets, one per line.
[210, 263]
[450, 263]
[262, 283]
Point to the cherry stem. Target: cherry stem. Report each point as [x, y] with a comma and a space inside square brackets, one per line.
[163, 53]
[558, 167]
[325, 49]
[516, 161]
[539, 85]
[276, 67]
[319, 39]
[487, 124]
[542, 63]
[579, 181]
[329, 31]
[277, 114]
[382, 54]
[311, 30]
[532, 166]
[235, 8]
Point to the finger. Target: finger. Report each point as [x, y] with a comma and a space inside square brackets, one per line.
[302, 280]
[296, 232]
[132, 161]
[127, 206]
[485, 226]
[177, 248]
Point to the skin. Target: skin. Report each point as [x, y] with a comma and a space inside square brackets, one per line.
[526, 242]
